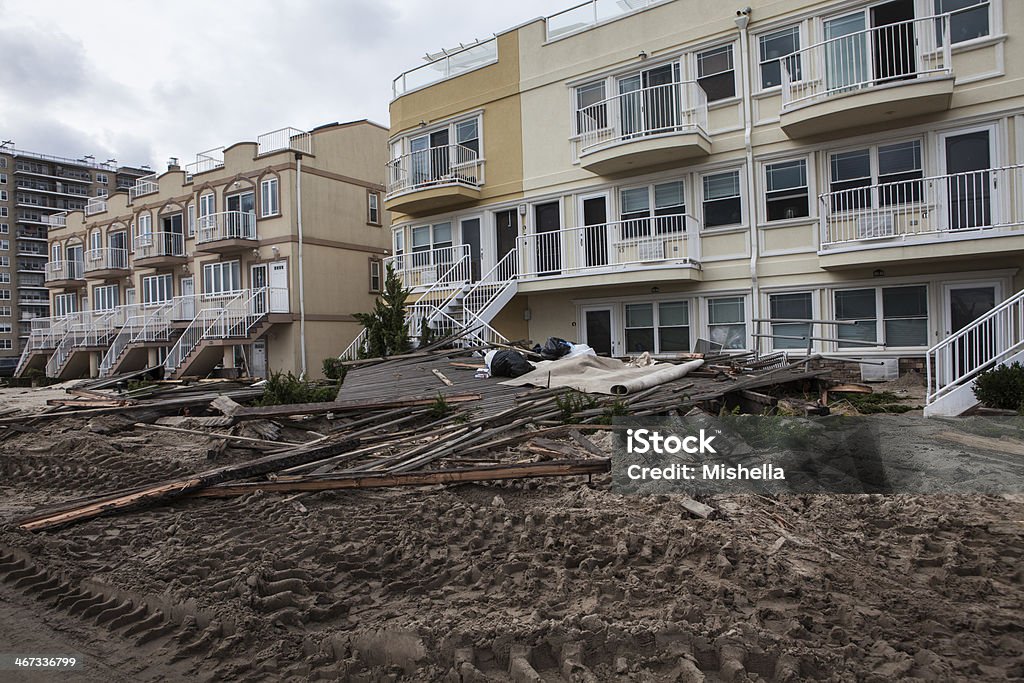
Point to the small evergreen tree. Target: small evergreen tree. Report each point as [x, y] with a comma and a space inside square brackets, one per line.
[387, 333]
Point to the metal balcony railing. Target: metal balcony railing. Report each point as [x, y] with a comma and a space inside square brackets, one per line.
[226, 225]
[106, 259]
[145, 185]
[449, 64]
[209, 160]
[609, 247]
[57, 220]
[424, 268]
[957, 204]
[435, 167]
[154, 244]
[95, 205]
[65, 270]
[285, 138]
[680, 107]
[586, 14]
[884, 55]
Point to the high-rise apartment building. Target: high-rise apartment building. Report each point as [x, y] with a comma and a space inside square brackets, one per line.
[34, 186]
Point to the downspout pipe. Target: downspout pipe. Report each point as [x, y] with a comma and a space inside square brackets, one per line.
[742, 21]
[302, 283]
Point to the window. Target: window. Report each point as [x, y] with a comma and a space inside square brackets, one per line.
[55, 252]
[669, 202]
[191, 220]
[375, 276]
[591, 108]
[6, 244]
[662, 327]
[5, 311]
[773, 47]
[904, 316]
[3, 178]
[786, 190]
[95, 242]
[722, 202]
[398, 240]
[791, 307]
[222, 277]
[716, 73]
[969, 19]
[3, 212]
[101, 192]
[426, 238]
[5, 261]
[101, 178]
[65, 304]
[157, 289]
[206, 204]
[6, 344]
[373, 207]
[145, 225]
[3, 195]
[727, 323]
[467, 135]
[5, 294]
[5, 278]
[4, 228]
[895, 168]
[5, 328]
[269, 199]
[104, 297]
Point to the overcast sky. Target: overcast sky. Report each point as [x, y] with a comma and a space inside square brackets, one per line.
[143, 81]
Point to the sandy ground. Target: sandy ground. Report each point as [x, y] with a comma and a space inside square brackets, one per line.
[526, 581]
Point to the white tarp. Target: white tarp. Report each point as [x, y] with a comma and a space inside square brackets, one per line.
[598, 375]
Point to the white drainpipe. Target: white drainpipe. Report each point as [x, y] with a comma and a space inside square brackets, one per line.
[742, 19]
[302, 285]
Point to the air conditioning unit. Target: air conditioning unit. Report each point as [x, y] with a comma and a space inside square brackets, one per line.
[650, 251]
[875, 225]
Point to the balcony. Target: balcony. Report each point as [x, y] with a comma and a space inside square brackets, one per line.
[65, 274]
[26, 234]
[31, 250]
[423, 268]
[57, 220]
[291, 139]
[159, 250]
[226, 231]
[145, 185]
[868, 77]
[642, 129]
[210, 160]
[940, 217]
[104, 264]
[95, 205]
[447, 64]
[621, 252]
[435, 179]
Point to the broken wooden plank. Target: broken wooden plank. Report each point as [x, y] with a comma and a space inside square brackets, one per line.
[699, 509]
[851, 389]
[215, 435]
[226, 405]
[347, 406]
[554, 468]
[440, 375]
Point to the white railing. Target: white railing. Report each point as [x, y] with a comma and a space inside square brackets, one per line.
[661, 240]
[448, 64]
[490, 287]
[57, 220]
[232, 318]
[425, 268]
[145, 185]
[434, 167]
[152, 244]
[982, 345]
[65, 270]
[45, 333]
[209, 160]
[883, 55]
[938, 206]
[680, 107]
[148, 322]
[95, 205]
[285, 138]
[356, 348]
[583, 16]
[226, 225]
[106, 259]
[430, 307]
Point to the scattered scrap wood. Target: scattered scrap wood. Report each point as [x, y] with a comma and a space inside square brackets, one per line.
[440, 375]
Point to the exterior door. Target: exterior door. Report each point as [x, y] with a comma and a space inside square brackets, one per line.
[548, 252]
[188, 301]
[258, 361]
[506, 232]
[965, 303]
[595, 231]
[258, 280]
[279, 287]
[238, 225]
[470, 229]
[969, 184]
[129, 296]
[598, 330]
[894, 40]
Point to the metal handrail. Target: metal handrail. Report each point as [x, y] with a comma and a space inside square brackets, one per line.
[453, 164]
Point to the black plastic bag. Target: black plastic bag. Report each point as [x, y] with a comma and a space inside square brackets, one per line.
[509, 364]
[555, 348]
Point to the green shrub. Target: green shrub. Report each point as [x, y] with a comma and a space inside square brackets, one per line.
[335, 369]
[440, 407]
[1002, 387]
[387, 333]
[286, 388]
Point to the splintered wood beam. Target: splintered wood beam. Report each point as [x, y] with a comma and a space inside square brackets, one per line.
[553, 468]
[347, 406]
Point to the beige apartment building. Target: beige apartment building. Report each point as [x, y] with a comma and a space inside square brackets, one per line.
[34, 186]
[251, 259]
[675, 175]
